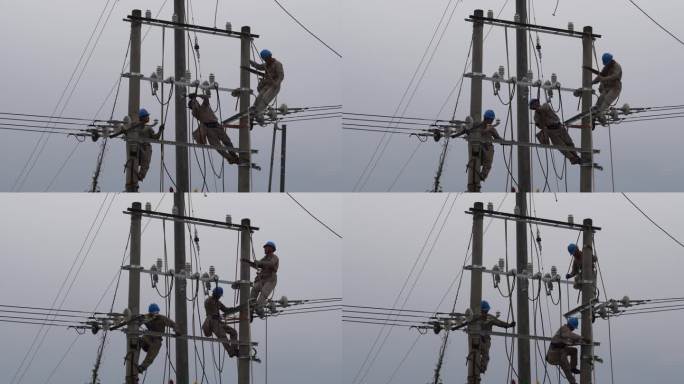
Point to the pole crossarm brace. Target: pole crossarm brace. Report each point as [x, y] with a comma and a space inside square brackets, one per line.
[531, 219]
[534, 84]
[187, 337]
[189, 220]
[515, 335]
[190, 84]
[530, 27]
[523, 275]
[534, 145]
[187, 27]
[191, 145]
[177, 275]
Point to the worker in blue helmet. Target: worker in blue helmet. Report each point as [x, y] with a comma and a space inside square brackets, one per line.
[486, 322]
[266, 278]
[576, 267]
[551, 130]
[269, 84]
[561, 351]
[610, 86]
[152, 343]
[483, 151]
[214, 324]
[138, 147]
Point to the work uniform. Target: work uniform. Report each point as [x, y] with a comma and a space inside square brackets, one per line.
[486, 322]
[551, 128]
[576, 268]
[486, 149]
[152, 343]
[269, 85]
[265, 281]
[139, 154]
[560, 350]
[213, 324]
[610, 86]
[210, 129]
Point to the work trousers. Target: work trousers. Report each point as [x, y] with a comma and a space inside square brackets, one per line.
[217, 137]
[132, 167]
[607, 98]
[485, 345]
[222, 331]
[566, 358]
[560, 137]
[263, 99]
[261, 291]
[151, 345]
[145, 160]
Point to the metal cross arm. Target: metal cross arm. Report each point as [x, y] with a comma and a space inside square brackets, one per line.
[535, 84]
[187, 337]
[187, 27]
[190, 84]
[530, 27]
[191, 220]
[192, 145]
[530, 219]
[519, 275]
[534, 145]
[177, 275]
[518, 336]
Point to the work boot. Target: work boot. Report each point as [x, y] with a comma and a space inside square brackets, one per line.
[260, 313]
[141, 368]
[575, 160]
[233, 158]
[233, 351]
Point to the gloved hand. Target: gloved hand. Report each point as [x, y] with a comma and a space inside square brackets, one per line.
[512, 324]
[567, 275]
[161, 127]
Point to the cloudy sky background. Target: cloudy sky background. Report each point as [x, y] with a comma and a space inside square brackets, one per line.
[47, 40]
[46, 232]
[636, 259]
[384, 44]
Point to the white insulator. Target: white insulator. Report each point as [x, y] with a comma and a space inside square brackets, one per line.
[516, 210]
[571, 26]
[554, 270]
[530, 76]
[469, 121]
[284, 302]
[188, 268]
[174, 210]
[148, 14]
[126, 120]
[502, 71]
[229, 219]
[283, 108]
[229, 26]
[148, 206]
[625, 301]
[212, 78]
[490, 206]
[188, 76]
[502, 264]
[554, 78]
[212, 270]
[626, 109]
[160, 264]
[469, 314]
[160, 72]
[516, 18]
[571, 219]
[174, 18]
[490, 14]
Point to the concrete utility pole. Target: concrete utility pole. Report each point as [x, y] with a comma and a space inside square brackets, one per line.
[588, 284]
[475, 296]
[474, 144]
[133, 296]
[245, 143]
[133, 101]
[283, 147]
[587, 164]
[182, 187]
[244, 333]
[524, 187]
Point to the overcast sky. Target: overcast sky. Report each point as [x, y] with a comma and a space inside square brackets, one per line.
[48, 231]
[384, 44]
[636, 259]
[45, 48]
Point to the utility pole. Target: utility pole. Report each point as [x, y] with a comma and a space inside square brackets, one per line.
[283, 145]
[588, 281]
[587, 163]
[244, 333]
[474, 328]
[133, 295]
[182, 187]
[245, 144]
[132, 148]
[474, 144]
[524, 187]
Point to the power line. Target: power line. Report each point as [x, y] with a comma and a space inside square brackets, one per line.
[314, 217]
[307, 29]
[652, 221]
[657, 23]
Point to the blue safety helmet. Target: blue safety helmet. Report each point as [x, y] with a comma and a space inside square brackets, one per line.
[572, 248]
[217, 292]
[534, 102]
[265, 53]
[143, 113]
[270, 244]
[573, 323]
[606, 58]
[153, 308]
[489, 115]
[484, 305]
